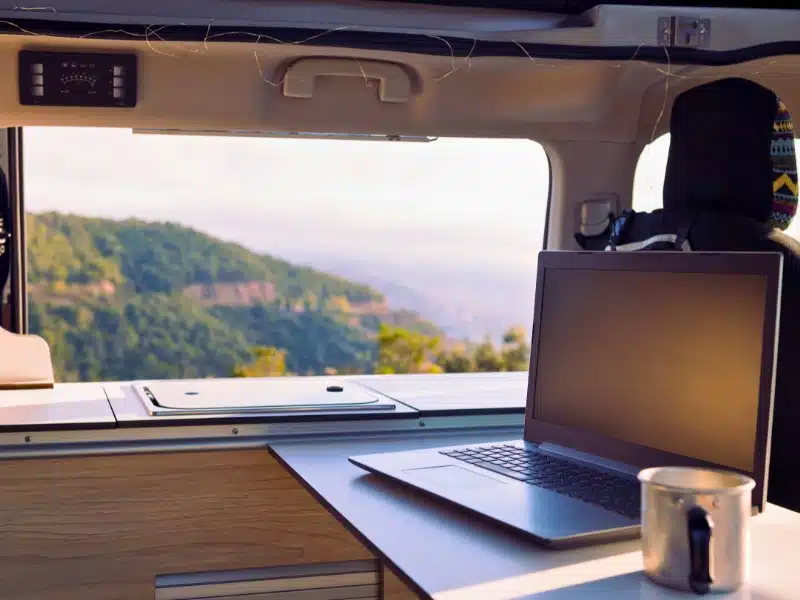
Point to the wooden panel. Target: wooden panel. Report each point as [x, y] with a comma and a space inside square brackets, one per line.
[394, 588]
[103, 527]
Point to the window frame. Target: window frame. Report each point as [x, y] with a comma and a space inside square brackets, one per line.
[11, 164]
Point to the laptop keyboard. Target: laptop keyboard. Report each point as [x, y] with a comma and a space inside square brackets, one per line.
[612, 492]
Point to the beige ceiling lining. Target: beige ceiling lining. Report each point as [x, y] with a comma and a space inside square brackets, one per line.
[216, 86]
[780, 74]
[606, 25]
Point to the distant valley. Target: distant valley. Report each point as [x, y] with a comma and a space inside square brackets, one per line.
[464, 303]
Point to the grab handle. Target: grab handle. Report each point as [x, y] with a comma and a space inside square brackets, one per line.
[394, 84]
[700, 527]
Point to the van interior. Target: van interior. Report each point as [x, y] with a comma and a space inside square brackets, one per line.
[133, 483]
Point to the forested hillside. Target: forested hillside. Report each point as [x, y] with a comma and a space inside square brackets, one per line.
[134, 299]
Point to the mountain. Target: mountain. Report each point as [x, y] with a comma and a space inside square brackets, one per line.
[133, 299]
[465, 303]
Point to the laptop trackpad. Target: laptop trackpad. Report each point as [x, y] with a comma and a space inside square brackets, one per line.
[450, 476]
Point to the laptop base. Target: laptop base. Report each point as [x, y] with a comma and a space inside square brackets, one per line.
[549, 518]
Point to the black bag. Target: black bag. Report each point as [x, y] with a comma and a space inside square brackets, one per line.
[636, 231]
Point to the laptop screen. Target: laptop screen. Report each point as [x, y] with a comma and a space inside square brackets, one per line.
[667, 360]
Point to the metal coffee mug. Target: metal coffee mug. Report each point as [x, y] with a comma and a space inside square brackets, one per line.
[696, 528]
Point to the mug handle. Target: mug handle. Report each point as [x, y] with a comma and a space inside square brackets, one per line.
[700, 526]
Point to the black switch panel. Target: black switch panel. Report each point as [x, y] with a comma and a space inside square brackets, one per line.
[69, 79]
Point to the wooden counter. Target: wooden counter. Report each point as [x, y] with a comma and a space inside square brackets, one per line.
[102, 528]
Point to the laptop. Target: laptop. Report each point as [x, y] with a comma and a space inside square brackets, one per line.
[638, 359]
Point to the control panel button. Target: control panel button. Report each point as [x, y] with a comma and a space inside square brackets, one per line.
[77, 79]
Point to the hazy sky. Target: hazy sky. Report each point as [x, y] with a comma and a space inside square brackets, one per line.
[450, 201]
[455, 200]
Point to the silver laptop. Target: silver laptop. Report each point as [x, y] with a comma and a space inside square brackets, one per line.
[639, 360]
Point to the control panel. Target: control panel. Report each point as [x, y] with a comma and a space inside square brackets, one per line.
[82, 80]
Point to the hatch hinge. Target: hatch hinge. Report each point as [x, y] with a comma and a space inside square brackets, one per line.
[684, 32]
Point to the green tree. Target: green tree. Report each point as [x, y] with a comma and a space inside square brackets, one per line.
[487, 358]
[456, 360]
[516, 351]
[269, 362]
[343, 371]
[403, 351]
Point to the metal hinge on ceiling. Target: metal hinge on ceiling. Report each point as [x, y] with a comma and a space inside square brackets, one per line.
[684, 32]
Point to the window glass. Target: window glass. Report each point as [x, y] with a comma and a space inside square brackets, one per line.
[176, 256]
[648, 182]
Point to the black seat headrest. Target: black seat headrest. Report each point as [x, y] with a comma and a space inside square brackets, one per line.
[732, 150]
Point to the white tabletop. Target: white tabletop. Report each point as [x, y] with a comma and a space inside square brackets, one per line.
[447, 554]
[775, 572]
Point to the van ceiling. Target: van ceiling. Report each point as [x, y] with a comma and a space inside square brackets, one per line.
[576, 7]
[519, 81]
[613, 32]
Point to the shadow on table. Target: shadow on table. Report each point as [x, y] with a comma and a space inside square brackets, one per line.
[445, 549]
[628, 586]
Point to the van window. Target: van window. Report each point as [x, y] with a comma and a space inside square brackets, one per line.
[648, 182]
[177, 256]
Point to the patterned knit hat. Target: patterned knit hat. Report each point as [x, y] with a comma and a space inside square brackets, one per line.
[784, 167]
